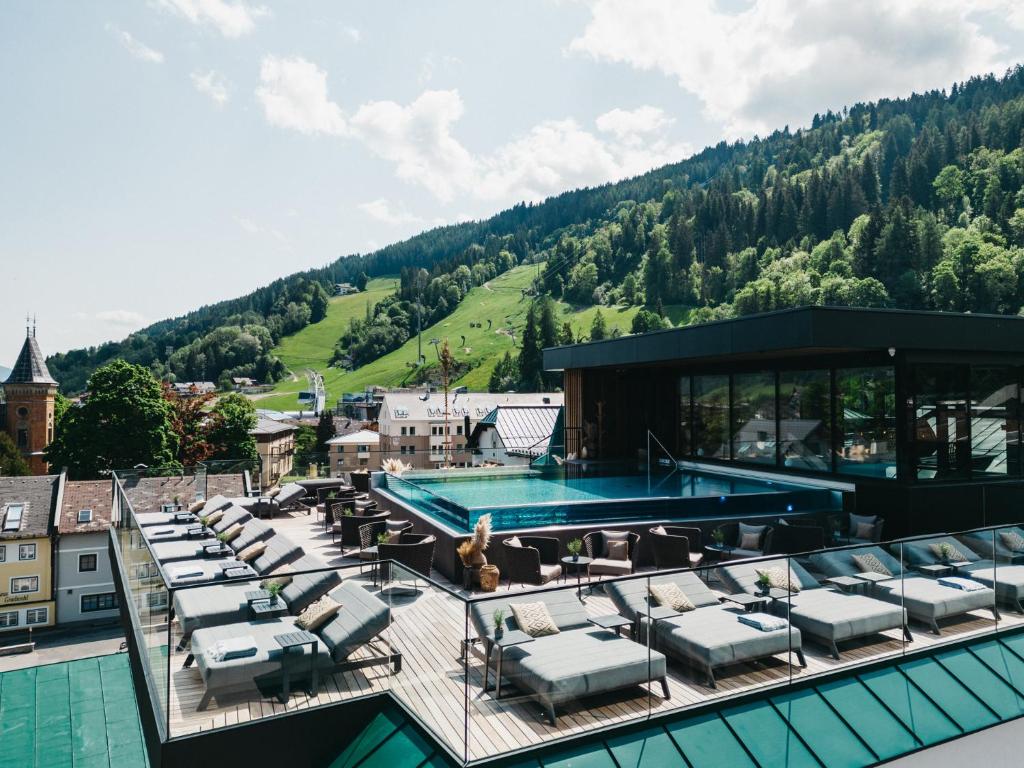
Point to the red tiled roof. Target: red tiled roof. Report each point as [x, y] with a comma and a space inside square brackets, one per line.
[85, 494]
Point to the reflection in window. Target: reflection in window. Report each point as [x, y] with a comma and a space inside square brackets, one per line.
[711, 416]
[804, 420]
[753, 417]
[685, 427]
[994, 435]
[866, 421]
[940, 438]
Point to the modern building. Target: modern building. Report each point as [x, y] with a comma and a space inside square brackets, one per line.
[513, 435]
[412, 424]
[355, 451]
[275, 443]
[85, 586]
[920, 410]
[27, 506]
[27, 404]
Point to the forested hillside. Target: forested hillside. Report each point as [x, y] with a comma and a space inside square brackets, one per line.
[912, 202]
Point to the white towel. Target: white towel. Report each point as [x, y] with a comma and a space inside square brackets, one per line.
[233, 648]
[763, 621]
[161, 531]
[181, 572]
[958, 582]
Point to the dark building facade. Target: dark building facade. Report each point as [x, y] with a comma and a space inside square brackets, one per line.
[916, 408]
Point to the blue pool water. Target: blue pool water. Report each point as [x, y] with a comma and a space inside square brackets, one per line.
[533, 499]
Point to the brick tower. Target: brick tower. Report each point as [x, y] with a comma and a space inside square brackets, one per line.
[29, 393]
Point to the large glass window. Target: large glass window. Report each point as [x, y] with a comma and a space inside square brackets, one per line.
[866, 421]
[994, 427]
[685, 427]
[940, 438]
[753, 417]
[805, 420]
[711, 416]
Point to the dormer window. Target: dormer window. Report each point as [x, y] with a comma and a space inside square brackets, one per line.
[12, 517]
[84, 516]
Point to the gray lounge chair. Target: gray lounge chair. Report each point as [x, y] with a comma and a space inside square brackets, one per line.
[219, 604]
[208, 571]
[581, 660]
[291, 495]
[709, 636]
[176, 551]
[155, 533]
[253, 532]
[362, 619]
[1006, 579]
[232, 514]
[925, 599]
[990, 545]
[825, 615]
[281, 550]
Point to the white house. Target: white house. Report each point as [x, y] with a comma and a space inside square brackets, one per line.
[513, 435]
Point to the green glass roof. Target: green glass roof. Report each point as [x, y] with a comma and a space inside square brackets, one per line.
[851, 721]
[78, 714]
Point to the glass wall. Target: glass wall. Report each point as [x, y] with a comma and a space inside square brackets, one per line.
[805, 420]
[711, 416]
[940, 438]
[685, 414]
[994, 421]
[753, 417]
[866, 421]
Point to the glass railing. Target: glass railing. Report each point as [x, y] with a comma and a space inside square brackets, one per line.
[495, 673]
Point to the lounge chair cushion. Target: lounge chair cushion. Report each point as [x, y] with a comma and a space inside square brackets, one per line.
[1012, 540]
[869, 563]
[252, 532]
[197, 506]
[837, 616]
[534, 619]
[713, 636]
[214, 517]
[307, 587]
[927, 600]
[211, 606]
[549, 572]
[280, 550]
[604, 567]
[563, 606]
[952, 553]
[745, 531]
[232, 516]
[618, 550]
[632, 599]
[607, 537]
[253, 551]
[780, 577]
[183, 549]
[150, 519]
[362, 617]
[841, 562]
[669, 595]
[1007, 580]
[318, 613]
[921, 552]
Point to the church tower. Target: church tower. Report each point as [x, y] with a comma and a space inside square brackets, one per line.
[29, 393]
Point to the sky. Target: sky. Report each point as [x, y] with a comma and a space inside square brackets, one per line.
[161, 155]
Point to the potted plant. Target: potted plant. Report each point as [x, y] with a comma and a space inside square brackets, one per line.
[348, 512]
[205, 521]
[574, 547]
[945, 551]
[274, 588]
[764, 582]
[499, 623]
[718, 536]
[383, 538]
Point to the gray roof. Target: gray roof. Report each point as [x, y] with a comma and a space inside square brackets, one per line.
[265, 426]
[525, 430]
[419, 406]
[30, 367]
[38, 493]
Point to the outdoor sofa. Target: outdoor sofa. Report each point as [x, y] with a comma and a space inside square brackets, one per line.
[361, 619]
[581, 660]
[925, 599]
[822, 614]
[709, 636]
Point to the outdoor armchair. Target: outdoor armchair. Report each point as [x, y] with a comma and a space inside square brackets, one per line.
[676, 546]
[596, 546]
[531, 559]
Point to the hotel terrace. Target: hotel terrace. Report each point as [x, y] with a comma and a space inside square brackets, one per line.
[746, 603]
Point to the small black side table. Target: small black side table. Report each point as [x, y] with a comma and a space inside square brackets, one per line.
[578, 564]
[265, 609]
[611, 621]
[216, 550]
[291, 640]
[509, 638]
[936, 570]
[748, 602]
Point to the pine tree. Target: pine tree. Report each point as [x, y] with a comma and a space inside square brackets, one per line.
[325, 430]
[530, 359]
[598, 329]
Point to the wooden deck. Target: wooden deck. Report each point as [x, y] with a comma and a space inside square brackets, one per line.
[438, 686]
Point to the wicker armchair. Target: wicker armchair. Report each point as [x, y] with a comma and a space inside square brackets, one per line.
[593, 545]
[676, 547]
[534, 561]
[731, 538]
[414, 551]
[347, 527]
[360, 481]
[844, 530]
[789, 539]
[369, 533]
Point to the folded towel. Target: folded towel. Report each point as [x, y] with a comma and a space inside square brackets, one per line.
[233, 648]
[957, 582]
[161, 531]
[763, 621]
[238, 570]
[180, 572]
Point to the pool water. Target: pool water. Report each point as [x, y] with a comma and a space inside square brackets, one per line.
[532, 499]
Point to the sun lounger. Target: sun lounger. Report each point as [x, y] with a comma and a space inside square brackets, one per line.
[155, 533]
[924, 599]
[1006, 579]
[709, 636]
[581, 660]
[172, 551]
[184, 572]
[826, 616]
[991, 545]
[362, 618]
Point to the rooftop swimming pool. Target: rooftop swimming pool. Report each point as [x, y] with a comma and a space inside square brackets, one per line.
[531, 499]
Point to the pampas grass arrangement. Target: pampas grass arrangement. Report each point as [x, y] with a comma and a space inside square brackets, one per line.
[471, 551]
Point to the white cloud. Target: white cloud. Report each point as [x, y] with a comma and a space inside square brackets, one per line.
[231, 19]
[134, 47]
[293, 92]
[211, 84]
[121, 317]
[382, 210]
[431, 64]
[418, 139]
[778, 61]
[352, 34]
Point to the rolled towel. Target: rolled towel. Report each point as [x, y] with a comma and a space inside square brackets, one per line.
[182, 572]
[763, 621]
[233, 648]
[161, 532]
[958, 582]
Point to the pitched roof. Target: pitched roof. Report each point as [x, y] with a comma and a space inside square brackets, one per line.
[362, 436]
[265, 426]
[85, 494]
[30, 367]
[525, 430]
[412, 406]
[146, 494]
[38, 494]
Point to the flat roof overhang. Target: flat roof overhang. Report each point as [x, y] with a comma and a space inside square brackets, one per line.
[800, 332]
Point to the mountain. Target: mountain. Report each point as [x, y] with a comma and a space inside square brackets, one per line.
[913, 202]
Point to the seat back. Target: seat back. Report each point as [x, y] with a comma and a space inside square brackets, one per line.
[840, 562]
[742, 576]
[632, 596]
[362, 617]
[564, 606]
[305, 588]
[920, 552]
[280, 550]
[252, 531]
